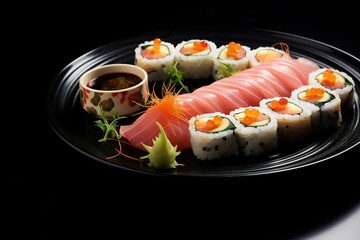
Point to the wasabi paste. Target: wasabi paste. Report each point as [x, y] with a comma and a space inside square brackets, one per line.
[162, 155]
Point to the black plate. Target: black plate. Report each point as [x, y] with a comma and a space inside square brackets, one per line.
[72, 124]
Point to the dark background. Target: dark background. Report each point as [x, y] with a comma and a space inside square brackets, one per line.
[55, 191]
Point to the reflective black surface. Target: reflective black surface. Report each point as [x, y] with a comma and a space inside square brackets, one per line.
[52, 190]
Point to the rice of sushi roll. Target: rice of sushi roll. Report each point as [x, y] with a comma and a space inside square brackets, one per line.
[233, 55]
[337, 81]
[195, 58]
[294, 119]
[256, 130]
[325, 106]
[264, 54]
[153, 57]
[212, 136]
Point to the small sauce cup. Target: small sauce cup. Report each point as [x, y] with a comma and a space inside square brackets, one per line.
[96, 95]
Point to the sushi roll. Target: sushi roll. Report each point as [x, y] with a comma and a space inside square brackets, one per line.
[325, 106]
[195, 58]
[337, 81]
[256, 130]
[233, 55]
[153, 57]
[212, 136]
[264, 54]
[294, 119]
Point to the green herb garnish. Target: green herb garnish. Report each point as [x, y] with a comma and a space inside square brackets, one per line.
[109, 129]
[224, 70]
[175, 76]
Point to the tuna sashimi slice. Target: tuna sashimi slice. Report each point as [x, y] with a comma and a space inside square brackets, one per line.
[262, 85]
[271, 81]
[246, 88]
[228, 98]
[143, 130]
[307, 65]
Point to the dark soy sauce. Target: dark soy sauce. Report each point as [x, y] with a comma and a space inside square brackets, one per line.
[114, 81]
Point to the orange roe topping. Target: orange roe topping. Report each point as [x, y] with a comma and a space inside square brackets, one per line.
[154, 52]
[313, 94]
[329, 78]
[251, 116]
[198, 46]
[209, 124]
[278, 105]
[157, 44]
[235, 50]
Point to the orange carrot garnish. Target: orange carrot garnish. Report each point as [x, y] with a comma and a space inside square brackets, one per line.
[169, 105]
[284, 47]
[120, 152]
